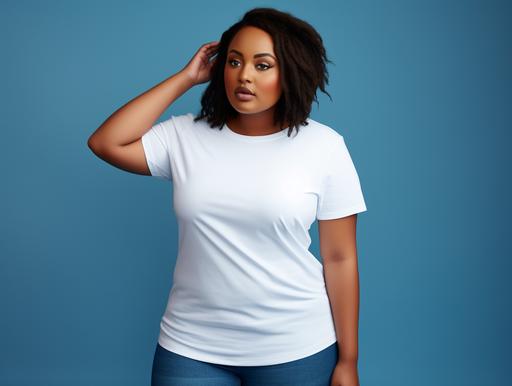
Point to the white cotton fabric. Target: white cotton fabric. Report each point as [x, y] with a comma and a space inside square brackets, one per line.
[246, 290]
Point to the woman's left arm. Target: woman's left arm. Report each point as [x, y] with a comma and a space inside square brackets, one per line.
[339, 254]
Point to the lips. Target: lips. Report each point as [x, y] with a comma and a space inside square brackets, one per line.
[243, 90]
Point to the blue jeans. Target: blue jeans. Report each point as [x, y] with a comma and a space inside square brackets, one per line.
[171, 369]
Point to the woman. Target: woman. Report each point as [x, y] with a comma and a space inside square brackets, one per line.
[250, 305]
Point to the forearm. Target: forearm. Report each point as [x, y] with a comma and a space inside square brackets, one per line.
[342, 283]
[135, 118]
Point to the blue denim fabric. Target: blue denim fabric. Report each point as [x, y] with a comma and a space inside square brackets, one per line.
[171, 369]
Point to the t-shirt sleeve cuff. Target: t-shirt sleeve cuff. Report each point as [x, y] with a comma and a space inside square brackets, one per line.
[342, 212]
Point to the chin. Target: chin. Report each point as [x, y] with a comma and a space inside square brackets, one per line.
[241, 107]
[244, 108]
[248, 110]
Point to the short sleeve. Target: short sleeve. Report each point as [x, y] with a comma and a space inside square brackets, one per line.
[341, 195]
[157, 148]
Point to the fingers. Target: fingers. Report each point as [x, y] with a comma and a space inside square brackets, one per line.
[210, 45]
[211, 48]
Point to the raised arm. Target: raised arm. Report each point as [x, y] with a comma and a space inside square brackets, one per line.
[118, 140]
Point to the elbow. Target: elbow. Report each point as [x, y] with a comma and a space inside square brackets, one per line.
[89, 143]
[93, 144]
[338, 257]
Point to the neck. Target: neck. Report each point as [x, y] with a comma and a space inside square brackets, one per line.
[254, 124]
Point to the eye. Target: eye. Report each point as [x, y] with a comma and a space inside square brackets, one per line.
[266, 66]
[231, 61]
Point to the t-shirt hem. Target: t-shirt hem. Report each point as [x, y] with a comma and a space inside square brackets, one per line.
[265, 360]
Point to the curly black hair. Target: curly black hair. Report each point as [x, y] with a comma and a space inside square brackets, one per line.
[302, 62]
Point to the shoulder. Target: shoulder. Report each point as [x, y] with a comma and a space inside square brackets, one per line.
[188, 120]
[183, 120]
[180, 123]
[322, 135]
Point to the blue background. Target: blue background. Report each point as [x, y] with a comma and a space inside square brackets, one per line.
[421, 92]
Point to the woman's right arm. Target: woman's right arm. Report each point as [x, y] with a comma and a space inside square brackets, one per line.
[118, 140]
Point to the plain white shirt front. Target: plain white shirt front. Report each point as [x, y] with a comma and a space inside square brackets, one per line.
[246, 290]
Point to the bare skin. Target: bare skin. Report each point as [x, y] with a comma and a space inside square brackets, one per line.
[261, 75]
[118, 139]
[339, 254]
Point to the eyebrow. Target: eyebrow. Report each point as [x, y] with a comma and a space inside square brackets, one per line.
[256, 56]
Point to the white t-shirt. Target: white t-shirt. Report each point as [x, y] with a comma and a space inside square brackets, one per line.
[246, 290]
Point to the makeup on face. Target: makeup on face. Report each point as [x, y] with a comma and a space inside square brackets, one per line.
[243, 93]
[251, 72]
[244, 97]
[262, 66]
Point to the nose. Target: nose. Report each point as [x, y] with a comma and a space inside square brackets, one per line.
[244, 74]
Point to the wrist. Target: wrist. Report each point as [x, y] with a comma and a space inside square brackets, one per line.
[187, 78]
[348, 361]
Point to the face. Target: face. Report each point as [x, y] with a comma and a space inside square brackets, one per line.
[259, 74]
